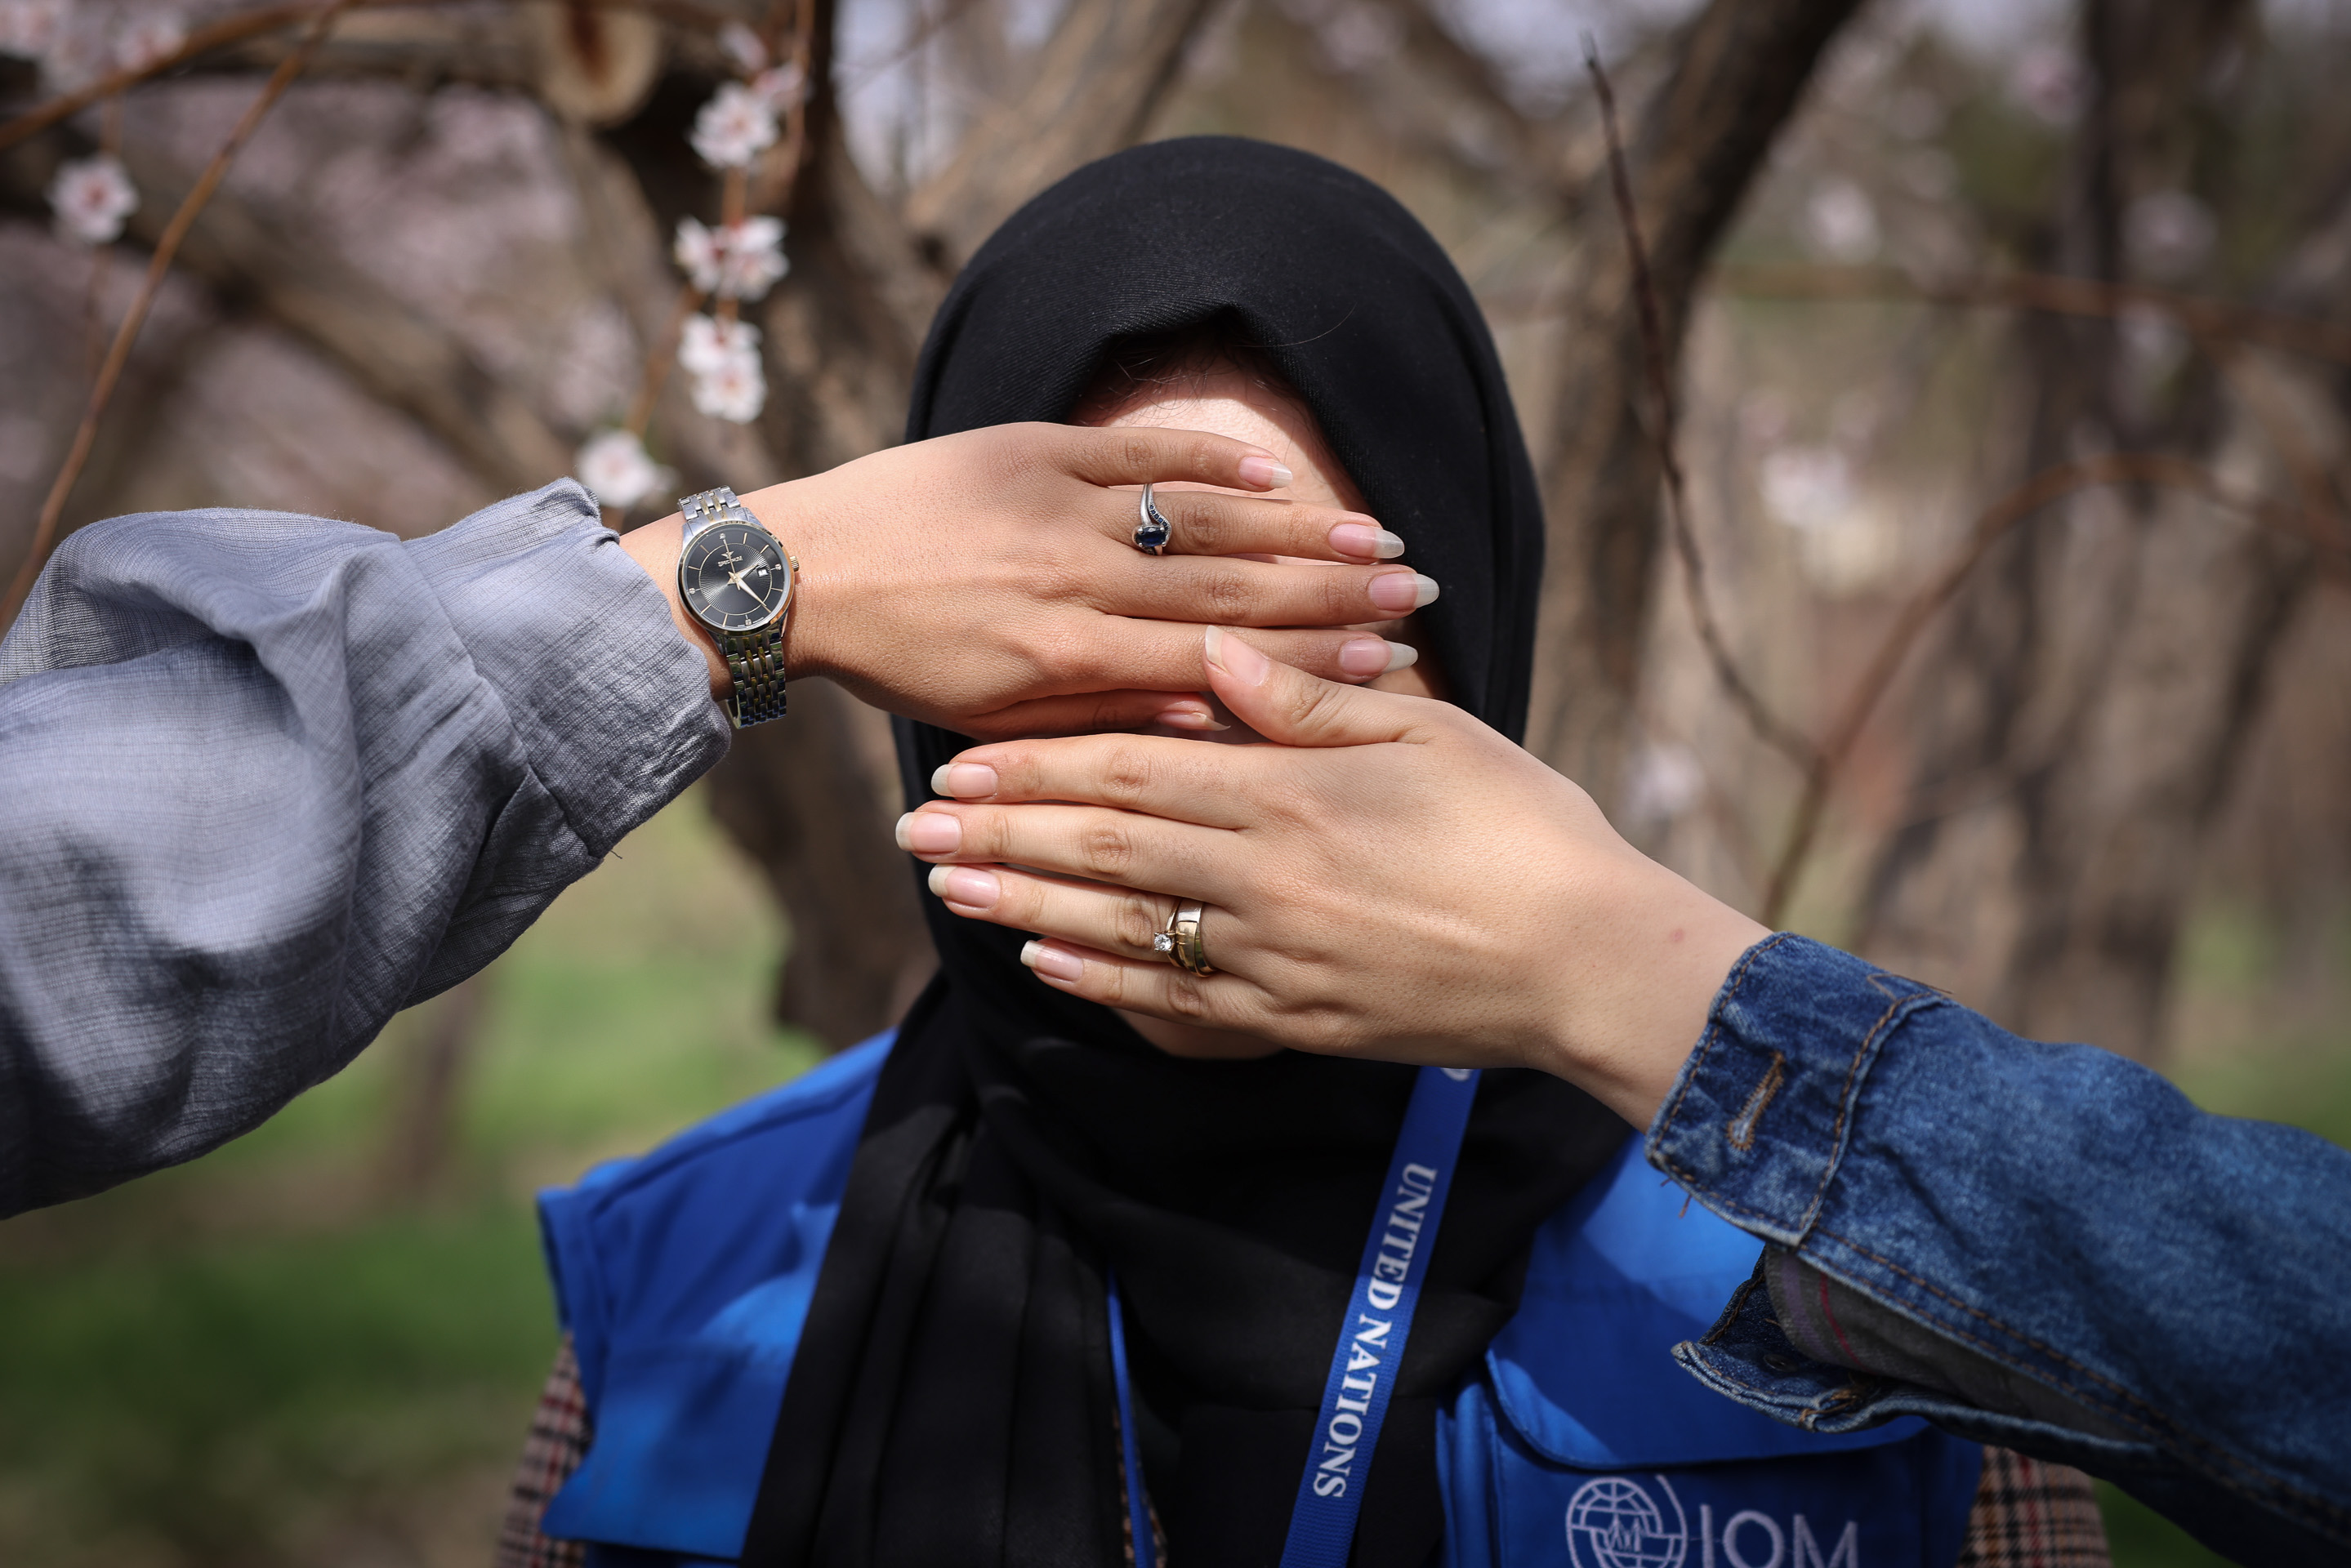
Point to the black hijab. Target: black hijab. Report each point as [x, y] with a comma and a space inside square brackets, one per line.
[951, 1402]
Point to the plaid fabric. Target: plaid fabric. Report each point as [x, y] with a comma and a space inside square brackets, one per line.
[2027, 1514]
[559, 1442]
[2030, 1514]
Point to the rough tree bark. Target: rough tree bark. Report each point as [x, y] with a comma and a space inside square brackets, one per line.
[1735, 75]
[2080, 727]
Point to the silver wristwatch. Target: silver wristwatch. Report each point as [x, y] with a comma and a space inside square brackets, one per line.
[738, 580]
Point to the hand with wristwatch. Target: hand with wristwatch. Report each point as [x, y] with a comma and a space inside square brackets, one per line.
[1018, 579]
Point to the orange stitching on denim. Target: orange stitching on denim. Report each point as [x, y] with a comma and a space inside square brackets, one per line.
[1845, 1092]
[1714, 1029]
[1740, 1129]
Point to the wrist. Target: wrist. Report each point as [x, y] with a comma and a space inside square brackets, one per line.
[793, 514]
[1628, 1006]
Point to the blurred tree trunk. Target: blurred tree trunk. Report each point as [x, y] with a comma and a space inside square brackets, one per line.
[1735, 75]
[2082, 724]
[812, 799]
[433, 1072]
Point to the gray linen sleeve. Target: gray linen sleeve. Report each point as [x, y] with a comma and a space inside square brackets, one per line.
[267, 779]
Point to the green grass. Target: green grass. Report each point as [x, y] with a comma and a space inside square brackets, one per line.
[272, 1357]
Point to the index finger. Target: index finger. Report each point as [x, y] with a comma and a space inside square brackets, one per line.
[1182, 781]
[1140, 455]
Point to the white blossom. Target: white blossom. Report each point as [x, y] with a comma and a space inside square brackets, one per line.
[706, 342]
[1841, 222]
[29, 28]
[613, 464]
[744, 47]
[779, 87]
[2047, 81]
[733, 126]
[735, 391]
[733, 261]
[150, 37]
[723, 357]
[2167, 233]
[91, 196]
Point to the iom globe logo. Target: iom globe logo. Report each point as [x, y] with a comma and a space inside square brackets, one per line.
[1614, 1522]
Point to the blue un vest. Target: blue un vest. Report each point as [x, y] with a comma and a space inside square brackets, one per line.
[1579, 1442]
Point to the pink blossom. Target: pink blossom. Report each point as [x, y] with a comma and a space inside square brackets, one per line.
[613, 464]
[736, 390]
[150, 38]
[780, 88]
[706, 343]
[733, 261]
[743, 46]
[2047, 79]
[733, 126]
[29, 28]
[722, 357]
[91, 196]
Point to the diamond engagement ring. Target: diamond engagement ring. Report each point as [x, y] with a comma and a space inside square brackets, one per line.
[1153, 532]
[1178, 941]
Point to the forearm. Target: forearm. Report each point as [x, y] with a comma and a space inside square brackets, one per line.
[272, 778]
[2127, 1282]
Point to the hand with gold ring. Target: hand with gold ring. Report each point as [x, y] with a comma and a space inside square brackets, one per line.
[1392, 879]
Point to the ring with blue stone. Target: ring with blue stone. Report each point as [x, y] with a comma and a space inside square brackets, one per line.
[1151, 533]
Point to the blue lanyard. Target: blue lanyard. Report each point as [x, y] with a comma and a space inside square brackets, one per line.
[1379, 1319]
[1370, 1339]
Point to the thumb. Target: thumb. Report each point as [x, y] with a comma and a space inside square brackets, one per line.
[1296, 709]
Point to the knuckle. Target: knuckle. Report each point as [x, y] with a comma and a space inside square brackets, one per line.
[1228, 594]
[1128, 775]
[1135, 453]
[1105, 849]
[1136, 920]
[1187, 997]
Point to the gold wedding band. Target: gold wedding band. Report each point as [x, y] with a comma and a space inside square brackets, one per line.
[1179, 943]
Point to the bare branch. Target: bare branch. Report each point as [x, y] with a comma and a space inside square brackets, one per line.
[1098, 80]
[1916, 613]
[1735, 75]
[1663, 426]
[44, 531]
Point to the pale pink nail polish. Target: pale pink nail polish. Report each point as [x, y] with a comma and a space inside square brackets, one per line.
[1191, 716]
[965, 781]
[1400, 593]
[1264, 473]
[929, 833]
[1365, 541]
[1236, 658]
[1363, 657]
[1053, 963]
[966, 885]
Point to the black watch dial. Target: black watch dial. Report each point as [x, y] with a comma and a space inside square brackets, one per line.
[734, 577]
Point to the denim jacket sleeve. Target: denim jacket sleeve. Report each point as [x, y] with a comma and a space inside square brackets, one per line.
[2170, 1289]
[269, 778]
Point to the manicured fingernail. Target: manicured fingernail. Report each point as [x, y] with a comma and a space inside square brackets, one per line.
[963, 884]
[1401, 591]
[1363, 657]
[1265, 473]
[1236, 658]
[929, 833]
[1365, 541]
[965, 781]
[1053, 963]
[1192, 714]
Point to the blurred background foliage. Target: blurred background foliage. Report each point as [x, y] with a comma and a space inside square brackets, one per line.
[2103, 796]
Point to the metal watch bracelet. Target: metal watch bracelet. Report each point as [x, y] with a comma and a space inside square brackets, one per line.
[755, 660]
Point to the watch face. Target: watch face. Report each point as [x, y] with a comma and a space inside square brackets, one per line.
[734, 577]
